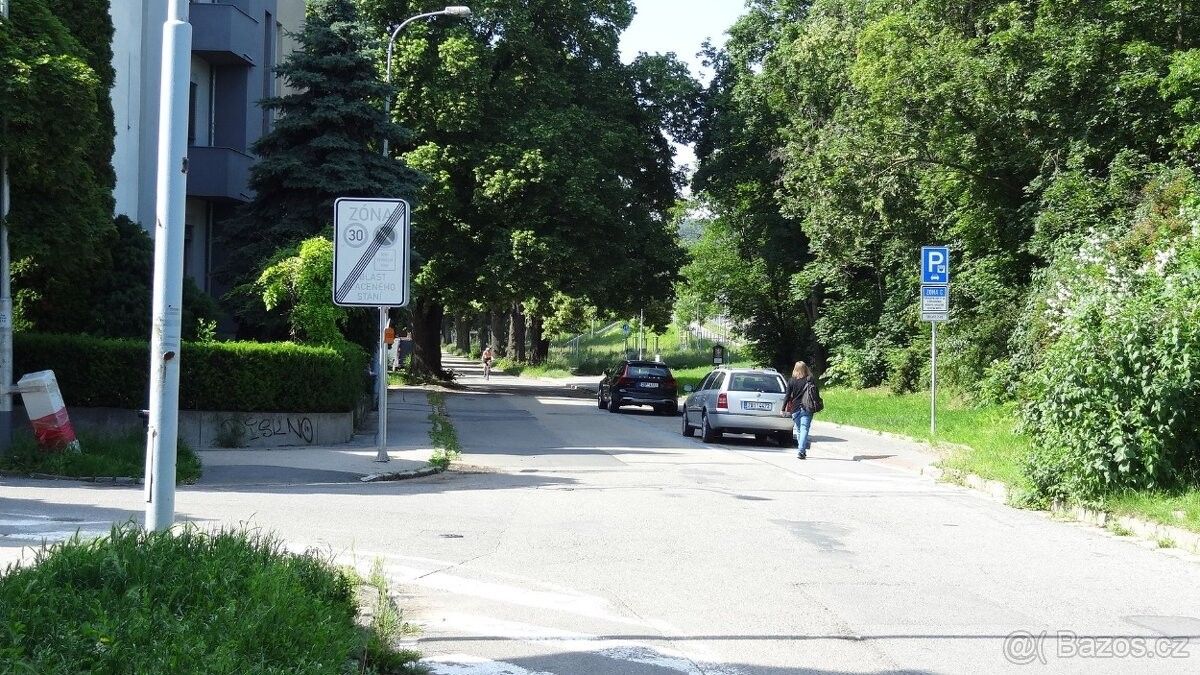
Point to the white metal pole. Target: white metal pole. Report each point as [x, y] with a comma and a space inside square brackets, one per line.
[933, 381]
[165, 339]
[6, 364]
[381, 454]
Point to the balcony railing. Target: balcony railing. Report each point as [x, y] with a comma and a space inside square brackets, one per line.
[223, 34]
[219, 173]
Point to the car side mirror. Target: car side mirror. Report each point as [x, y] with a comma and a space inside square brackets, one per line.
[687, 389]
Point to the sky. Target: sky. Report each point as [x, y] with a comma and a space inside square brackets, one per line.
[680, 26]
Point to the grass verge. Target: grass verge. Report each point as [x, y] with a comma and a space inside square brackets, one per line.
[979, 440]
[186, 602]
[442, 434]
[103, 456]
[984, 440]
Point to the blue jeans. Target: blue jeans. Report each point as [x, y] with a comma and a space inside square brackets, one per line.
[801, 421]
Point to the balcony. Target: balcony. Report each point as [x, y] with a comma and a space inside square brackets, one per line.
[219, 173]
[224, 35]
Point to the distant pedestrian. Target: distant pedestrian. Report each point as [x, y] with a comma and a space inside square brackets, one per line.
[805, 400]
[488, 357]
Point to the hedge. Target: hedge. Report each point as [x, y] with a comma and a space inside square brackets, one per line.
[224, 376]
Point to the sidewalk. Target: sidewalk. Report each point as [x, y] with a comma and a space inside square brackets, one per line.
[408, 447]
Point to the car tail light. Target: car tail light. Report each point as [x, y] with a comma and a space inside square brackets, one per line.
[624, 381]
[669, 383]
[723, 401]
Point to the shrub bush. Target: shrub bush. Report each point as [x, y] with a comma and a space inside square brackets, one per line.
[225, 376]
[1114, 403]
[187, 601]
[905, 365]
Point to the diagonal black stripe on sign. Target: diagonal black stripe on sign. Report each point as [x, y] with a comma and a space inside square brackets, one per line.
[385, 233]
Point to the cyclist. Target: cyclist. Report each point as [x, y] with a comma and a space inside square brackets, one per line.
[487, 362]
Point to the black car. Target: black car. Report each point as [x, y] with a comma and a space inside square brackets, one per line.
[639, 383]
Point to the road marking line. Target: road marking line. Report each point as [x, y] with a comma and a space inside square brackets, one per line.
[570, 641]
[465, 664]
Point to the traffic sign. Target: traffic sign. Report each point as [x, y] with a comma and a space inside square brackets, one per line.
[935, 299]
[935, 265]
[371, 252]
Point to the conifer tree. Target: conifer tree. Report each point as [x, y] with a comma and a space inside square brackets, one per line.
[325, 144]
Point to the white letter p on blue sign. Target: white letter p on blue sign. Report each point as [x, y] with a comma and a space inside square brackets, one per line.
[935, 265]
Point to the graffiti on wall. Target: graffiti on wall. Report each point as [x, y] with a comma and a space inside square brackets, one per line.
[236, 431]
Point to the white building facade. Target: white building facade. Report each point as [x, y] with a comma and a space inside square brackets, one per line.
[236, 45]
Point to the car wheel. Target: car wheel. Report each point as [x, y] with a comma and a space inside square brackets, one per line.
[687, 428]
[613, 405]
[600, 399]
[707, 433]
[785, 439]
[673, 409]
[760, 438]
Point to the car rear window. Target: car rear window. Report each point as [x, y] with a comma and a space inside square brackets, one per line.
[769, 384]
[647, 371]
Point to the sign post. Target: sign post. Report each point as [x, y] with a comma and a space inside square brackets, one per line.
[371, 269]
[935, 308]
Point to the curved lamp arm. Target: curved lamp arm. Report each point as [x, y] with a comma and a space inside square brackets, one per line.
[453, 10]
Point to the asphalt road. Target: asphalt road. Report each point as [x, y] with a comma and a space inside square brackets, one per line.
[573, 540]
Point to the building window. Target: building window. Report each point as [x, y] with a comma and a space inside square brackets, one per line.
[192, 114]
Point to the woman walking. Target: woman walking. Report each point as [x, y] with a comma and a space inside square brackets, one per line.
[800, 391]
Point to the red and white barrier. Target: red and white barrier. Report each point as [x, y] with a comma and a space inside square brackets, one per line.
[47, 412]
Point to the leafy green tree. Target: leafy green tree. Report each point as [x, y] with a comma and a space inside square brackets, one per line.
[53, 130]
[301, 281]
[550, 165]
[325, 144]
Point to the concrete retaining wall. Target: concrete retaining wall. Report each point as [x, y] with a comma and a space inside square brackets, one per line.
[208, 429]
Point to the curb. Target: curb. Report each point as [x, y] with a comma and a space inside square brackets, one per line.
[1183, 539]
[402, 475]
[116, 480]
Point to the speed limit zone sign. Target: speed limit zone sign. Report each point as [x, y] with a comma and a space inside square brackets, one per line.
[371, 252]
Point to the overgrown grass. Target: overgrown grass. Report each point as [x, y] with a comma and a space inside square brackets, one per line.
[183, 602]
[446, 447]
[990, 445]
[1181, 509]
[984, 440]
[103, 456]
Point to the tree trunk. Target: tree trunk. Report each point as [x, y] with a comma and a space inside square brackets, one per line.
[462, 335]
[499, 340]
[427, 347]
[535, 338]
[516, 335]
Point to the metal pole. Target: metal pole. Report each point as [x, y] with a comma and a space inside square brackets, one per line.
[382, 386]
[933, 382]
[6, 363]
[381, 440]
[165, 340]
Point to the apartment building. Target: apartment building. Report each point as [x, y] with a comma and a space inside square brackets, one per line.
[236, 45]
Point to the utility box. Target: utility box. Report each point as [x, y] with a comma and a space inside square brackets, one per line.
[47, 412]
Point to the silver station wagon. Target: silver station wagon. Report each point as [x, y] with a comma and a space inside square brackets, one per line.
[739, 401]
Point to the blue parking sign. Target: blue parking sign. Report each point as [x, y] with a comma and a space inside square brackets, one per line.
[935, 265]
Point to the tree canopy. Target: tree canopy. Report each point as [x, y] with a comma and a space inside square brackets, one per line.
[549, 160]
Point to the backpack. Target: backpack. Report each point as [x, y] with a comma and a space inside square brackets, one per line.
[810, 400]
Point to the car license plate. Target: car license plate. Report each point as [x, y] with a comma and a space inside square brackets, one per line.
[756, 405]
[648, 385]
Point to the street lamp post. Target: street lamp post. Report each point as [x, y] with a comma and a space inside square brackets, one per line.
[6, 364]
[162, 431]
[382, 367]
[453, 10]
